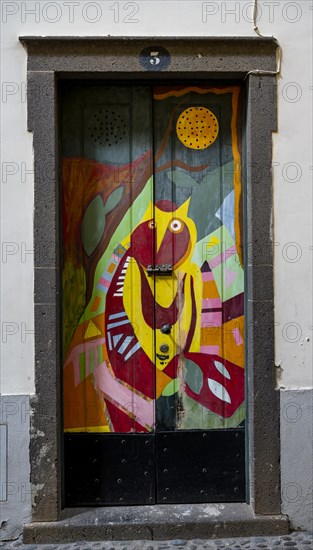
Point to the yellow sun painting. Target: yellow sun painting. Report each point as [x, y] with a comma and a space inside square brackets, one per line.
[197, 127]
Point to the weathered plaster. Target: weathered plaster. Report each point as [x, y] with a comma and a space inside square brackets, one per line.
[297, 457]
[15, 497]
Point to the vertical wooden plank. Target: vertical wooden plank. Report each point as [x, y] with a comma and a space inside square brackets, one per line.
[107, 194]
[200, 379]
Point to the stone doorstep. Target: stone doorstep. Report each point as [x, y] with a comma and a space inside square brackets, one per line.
[158, 522]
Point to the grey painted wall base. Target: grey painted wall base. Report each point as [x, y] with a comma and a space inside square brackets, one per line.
[297, 457]
[160, 522]
[15, 490]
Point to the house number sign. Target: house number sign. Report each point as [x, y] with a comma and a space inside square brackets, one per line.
[154, 58]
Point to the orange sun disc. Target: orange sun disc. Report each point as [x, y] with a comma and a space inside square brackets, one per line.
[197, 128]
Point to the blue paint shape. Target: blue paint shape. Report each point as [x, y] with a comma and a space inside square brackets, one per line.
[226, 213]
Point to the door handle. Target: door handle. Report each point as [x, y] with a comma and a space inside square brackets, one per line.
[160, 269]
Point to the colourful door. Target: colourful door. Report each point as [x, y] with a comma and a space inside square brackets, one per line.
[153, 294]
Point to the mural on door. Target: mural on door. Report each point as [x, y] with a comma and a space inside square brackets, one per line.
[142, 349]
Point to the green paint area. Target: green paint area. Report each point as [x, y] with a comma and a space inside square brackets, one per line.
[73, 284]
[193, 376]
[233, 268]
[211, 192]
[100, 358]
[91, 360]
[127, 225]
[93, 223]
[182, 179]
[212, 245]
[219, 242]
[171, 388]
[197, 417]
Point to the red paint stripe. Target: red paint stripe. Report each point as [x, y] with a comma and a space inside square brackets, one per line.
[234, 307]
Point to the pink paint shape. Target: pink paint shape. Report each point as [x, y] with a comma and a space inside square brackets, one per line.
[210, 350]
[237, 336]
[221, 258]
[211, 319]
[207, 276]
[104, 282]
[209, 303]
[143, 410]
[74, 356]
[230, 277]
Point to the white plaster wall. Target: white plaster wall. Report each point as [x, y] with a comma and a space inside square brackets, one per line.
[291, 23]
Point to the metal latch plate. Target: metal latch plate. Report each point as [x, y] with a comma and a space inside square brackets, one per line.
[160, 269]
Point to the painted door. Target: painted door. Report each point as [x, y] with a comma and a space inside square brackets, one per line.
[153, 287]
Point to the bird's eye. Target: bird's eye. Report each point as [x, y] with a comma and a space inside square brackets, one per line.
[151, 224]
[176, 226]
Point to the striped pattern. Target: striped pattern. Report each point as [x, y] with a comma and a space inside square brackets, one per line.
[211, 314]
[106, 277]
[120, 281]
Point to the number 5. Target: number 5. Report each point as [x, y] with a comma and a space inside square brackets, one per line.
[155, 60]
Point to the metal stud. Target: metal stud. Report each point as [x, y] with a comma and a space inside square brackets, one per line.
[164, 348]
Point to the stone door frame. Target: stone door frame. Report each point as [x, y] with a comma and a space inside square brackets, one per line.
[248, 60]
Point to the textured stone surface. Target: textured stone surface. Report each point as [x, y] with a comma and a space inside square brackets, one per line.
[263, 399]
[42, 121]
[45, 451]
[296, 541]
[231, 55]
[156, 522]
[46, 285]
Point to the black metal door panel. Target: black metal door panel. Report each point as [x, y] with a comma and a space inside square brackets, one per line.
[200, 466]
[101, 470]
